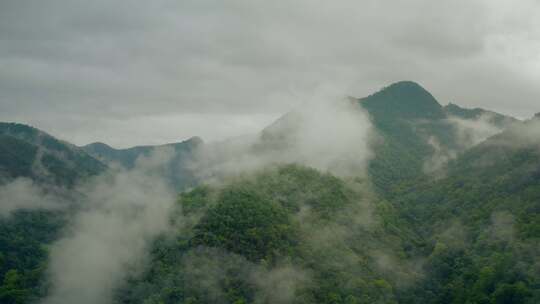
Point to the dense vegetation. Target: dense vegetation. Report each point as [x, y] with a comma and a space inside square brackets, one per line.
[23, 254]
[468, 233]
[289, 223]
[483, 224]
[28, 152]
[406, 116]
[454, 240]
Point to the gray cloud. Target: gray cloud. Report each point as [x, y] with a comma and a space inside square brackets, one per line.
[468, 133]
[92, 70]
[331, 134]
[122, 212]
[23, 194]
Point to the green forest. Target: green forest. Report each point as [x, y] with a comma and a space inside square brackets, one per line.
[289, 233]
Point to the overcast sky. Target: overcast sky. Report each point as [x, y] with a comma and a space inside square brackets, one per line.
[148, 72]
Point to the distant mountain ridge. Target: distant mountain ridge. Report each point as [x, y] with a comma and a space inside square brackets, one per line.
[404, 114]
[127, 156]
[176, 169]
[469, 235]
[28, 152]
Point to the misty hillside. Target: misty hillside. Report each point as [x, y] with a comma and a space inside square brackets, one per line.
[482, 220]
[462, 238]
[267, 152]
[127, 157]
[29, 152]
[415, 128]
[34, 167]
[177, 167]
[391, 198]
[289, 227]
[413, 134]
[499, 120]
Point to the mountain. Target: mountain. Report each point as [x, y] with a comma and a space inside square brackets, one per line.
[415, 129]
[287, 234]
[465, 238]
[505, 165]
[414, 134]
[405, 100]
[127, 157]
[175, 169]
[53, 166]
[482, 221]
[449, 213]
[28, 152]
[435, 241]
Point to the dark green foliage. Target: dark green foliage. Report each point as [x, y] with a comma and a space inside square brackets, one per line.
[291, 219]
[16, 157]
[404, 99]
[246, 223]
[471, 235]
[482, 221]
[464, 238]
[405, 117]
[23, 254]
[28, 152]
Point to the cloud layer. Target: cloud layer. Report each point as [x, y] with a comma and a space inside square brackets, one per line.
[92, 70]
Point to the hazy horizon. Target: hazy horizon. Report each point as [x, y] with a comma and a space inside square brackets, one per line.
[151, 73]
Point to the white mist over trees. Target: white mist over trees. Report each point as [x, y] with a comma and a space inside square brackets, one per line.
[328, 132]
[121, 214]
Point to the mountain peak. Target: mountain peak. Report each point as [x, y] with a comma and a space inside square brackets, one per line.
[405, 84]
[408, 91]
[405, 99]
[195, 140]
[98, 145]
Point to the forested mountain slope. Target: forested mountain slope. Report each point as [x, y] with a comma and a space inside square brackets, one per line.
[414, 128]
[499, 120]
[482, 221]
[448, 212]
[29, 152]
[127, 157]
[33, 164]
[316, 238]
[471, 236]
[176, 168]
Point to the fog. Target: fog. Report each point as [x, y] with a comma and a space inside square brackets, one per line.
[179, 65]
[122, 213]
[24, 194]
[328, 132]
[467, 133]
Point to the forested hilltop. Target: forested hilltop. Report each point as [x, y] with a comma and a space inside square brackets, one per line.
[443, 206]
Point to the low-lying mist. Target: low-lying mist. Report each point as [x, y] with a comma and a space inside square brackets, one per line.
[466, 134]
[121, 212]
[329, 133]
[24, 194]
